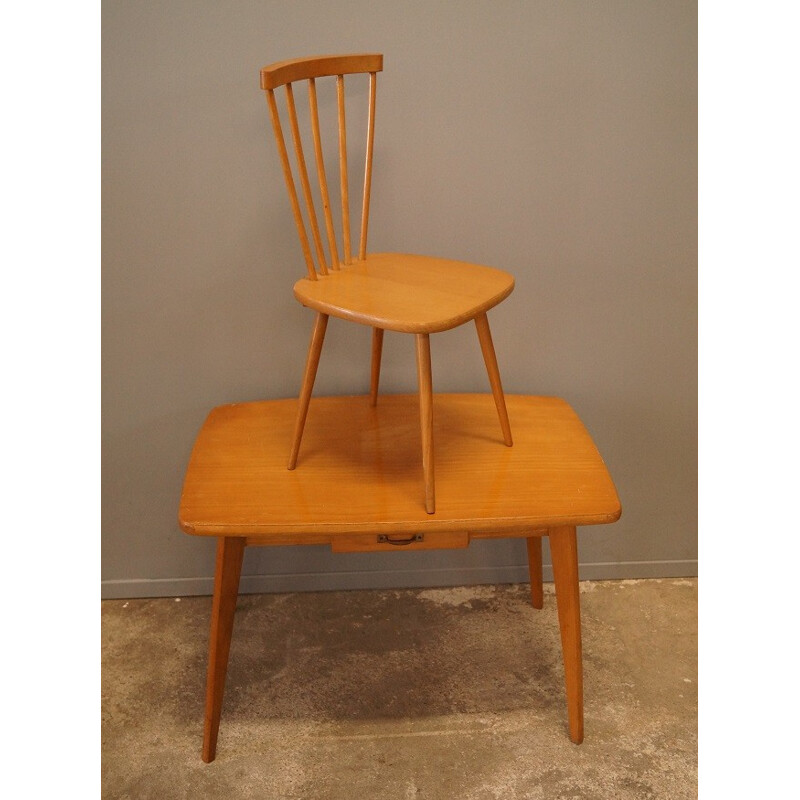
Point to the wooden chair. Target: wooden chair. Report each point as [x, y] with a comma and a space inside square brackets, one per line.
[386, 291]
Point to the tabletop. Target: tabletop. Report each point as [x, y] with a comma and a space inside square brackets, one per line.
[359, 471]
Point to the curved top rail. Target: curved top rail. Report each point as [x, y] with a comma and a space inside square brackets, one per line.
[299, 69]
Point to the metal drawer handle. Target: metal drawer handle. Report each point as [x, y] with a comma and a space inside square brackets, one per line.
[400, 542]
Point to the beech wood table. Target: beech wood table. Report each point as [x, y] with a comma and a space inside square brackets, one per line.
[357, 488]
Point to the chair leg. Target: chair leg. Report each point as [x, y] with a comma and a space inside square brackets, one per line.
[377, 350]
[535, 569]
[426, 417]
[314, 350]
[490, 359]
[564, 552]
[230, 551]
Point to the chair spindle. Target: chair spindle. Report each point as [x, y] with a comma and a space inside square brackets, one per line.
[287, 174]
[343, 170]
[323, 181]
[362, 247]
[304, 182]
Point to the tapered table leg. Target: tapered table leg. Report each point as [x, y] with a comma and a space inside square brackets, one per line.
[230, 551]
[564, 552]
[535, 569]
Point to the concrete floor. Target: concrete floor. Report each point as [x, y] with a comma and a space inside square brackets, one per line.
[428, 693]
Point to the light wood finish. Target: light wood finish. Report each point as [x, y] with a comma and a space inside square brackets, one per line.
[301, 69]
[322, 175]
[375, 371]
[362, 244]
[359, 483]
[312, 362]
[304, 182]
[426, 417]
[407, 293]
[390, 291]
[490, 359]
[564, 554]
[287, 175]
[230, 551]
[343, 169]
[360, 470]
[535, 570]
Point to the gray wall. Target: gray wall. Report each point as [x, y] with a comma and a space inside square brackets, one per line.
[553, 139]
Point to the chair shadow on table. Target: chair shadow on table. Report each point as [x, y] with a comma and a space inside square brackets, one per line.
[405, 434]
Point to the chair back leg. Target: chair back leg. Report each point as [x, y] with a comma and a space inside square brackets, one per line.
[375, 376]
[312, 362]
[490, 359]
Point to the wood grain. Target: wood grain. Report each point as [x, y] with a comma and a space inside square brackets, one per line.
[361, 471]
[409, 293]
[299, 69]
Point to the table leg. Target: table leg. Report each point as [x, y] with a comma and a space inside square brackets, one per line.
[230, 551]
[564, 552]
[535, 569]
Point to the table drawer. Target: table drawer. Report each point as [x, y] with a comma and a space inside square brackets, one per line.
[375, 542]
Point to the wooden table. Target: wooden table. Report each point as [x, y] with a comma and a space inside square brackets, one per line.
[357, 488]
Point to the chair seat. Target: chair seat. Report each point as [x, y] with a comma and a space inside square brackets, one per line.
[409, 293]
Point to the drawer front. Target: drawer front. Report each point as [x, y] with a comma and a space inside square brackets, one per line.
[386, 542]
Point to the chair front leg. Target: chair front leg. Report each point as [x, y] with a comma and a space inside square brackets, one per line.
[490, 359]
[426, 417]
[314, 350]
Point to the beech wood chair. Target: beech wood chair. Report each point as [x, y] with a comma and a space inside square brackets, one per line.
[386, 291]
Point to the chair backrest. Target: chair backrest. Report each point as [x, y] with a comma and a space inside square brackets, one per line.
[286, 73]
